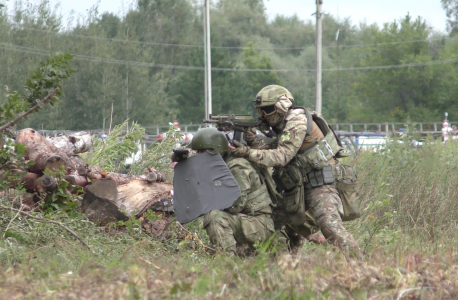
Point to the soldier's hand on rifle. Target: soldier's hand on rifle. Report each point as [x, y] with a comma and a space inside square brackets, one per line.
[250, 136]
[239, 150]
[179, 155]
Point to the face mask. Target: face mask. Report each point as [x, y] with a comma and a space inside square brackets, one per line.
[283, 105]
[275, 118]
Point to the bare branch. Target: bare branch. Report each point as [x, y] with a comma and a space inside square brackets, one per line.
[196, 236]
[49, 221]
[26, 113]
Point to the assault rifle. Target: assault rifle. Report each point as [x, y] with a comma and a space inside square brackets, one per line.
[239, 124]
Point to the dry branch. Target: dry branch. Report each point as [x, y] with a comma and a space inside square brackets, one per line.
[49, 221]
[196, 236]
[26, 113]
[95, 172]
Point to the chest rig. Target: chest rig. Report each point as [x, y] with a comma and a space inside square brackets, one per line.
[312, 164]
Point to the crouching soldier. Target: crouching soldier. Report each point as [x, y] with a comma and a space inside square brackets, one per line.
[249, 219]
[306, 167]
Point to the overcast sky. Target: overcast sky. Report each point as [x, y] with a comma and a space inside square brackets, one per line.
[379, 11]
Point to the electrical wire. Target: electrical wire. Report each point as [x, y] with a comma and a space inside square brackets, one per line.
[164, 66]
[220, 47]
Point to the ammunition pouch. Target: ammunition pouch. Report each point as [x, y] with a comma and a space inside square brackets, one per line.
[321, 177]
[346, 186]
[289, 177]
[292, 199]
[318, 154]
[294, 204]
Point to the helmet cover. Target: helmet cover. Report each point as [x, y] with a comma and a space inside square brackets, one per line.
[210, 138]
[271, 94]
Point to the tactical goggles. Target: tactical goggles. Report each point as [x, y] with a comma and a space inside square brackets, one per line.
[266, 110]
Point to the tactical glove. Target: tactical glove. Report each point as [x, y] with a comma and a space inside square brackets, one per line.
[250, 136]
[240, 150]
[179, 155]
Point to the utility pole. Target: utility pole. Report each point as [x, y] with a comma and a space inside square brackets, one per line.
[204, 19]
[338, 83]
[318, 55]
[209, 61]
[127, 99]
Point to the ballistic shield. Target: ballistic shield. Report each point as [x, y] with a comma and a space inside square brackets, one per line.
[203, 183]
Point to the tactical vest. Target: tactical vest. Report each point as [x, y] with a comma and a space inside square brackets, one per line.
[312, 163]
[259, 198]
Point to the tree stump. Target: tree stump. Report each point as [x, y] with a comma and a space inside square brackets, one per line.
[109, 201]
[99, 202]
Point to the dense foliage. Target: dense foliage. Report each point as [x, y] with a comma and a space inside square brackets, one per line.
[148, 62]
[41, 83]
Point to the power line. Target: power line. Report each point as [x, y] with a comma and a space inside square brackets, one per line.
[219, 47]
[164, 66]
[100, 59]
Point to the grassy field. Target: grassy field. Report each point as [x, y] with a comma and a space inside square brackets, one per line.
[408, 231]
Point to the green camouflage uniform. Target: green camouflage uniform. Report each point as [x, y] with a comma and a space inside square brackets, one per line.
[323, 202]
[249, 219]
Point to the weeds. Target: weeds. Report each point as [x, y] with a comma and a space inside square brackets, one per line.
[158, 155]
[110, 154]
[408, 230]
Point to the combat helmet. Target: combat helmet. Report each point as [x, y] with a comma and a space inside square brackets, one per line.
[210, 138]
[269, 95]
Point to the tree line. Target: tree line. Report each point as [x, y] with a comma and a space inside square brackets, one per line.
[147, 64]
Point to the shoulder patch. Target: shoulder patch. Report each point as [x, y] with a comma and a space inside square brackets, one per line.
[286, 136]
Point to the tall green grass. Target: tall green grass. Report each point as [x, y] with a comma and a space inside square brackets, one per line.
[408, 190]
[407, 230]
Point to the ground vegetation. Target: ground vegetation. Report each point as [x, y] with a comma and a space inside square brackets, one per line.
[147, 62]
[407, 231]
[408, 226]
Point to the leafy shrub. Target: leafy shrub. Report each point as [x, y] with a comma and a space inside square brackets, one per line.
[40, 84]
[110, 154]
[158, 155]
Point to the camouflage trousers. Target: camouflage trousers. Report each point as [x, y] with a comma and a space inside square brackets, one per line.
[231, 230]
[326, 207]
[324, 210]
[282, 218]
[294, 233]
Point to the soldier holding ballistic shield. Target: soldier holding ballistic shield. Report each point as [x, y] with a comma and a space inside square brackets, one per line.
[234, 214]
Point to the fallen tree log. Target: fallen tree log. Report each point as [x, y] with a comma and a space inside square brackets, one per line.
[107, 201]
[137, 196]
[77, 162]
[31, 182]
[25, 201]
[76, 179]
[96, 172]
[72, 144]
[48, 183]
[99, 203]
[42, 152]
[109, 197]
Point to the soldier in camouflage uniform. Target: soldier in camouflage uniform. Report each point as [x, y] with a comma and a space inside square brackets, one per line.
[303, 162]
[249, 220]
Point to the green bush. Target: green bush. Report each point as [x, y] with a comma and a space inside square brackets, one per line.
[408, 190]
